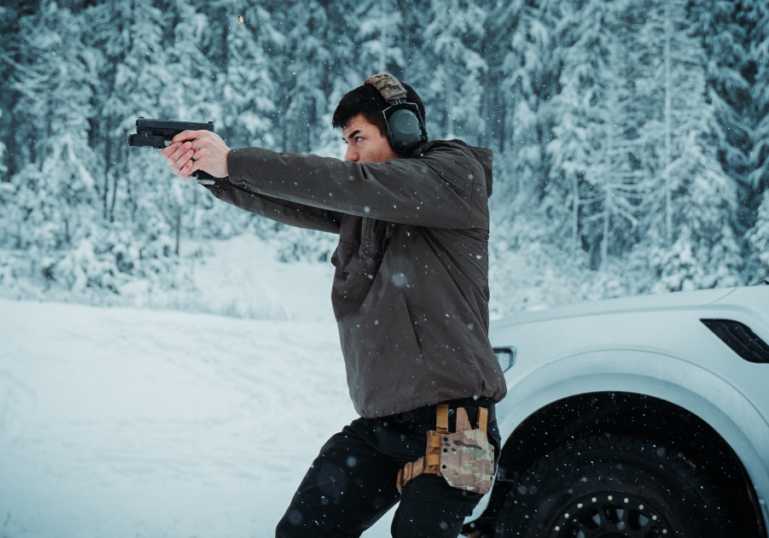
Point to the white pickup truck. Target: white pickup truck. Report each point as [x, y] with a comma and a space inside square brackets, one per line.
[642, 417]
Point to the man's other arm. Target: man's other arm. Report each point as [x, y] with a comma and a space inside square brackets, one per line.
[283, 211]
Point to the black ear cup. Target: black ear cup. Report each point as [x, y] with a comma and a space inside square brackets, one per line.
[405, 131]
[405, 125]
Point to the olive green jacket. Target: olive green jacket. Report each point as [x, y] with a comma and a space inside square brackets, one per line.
[410, 290]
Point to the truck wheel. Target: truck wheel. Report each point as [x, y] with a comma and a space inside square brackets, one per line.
[611, 487]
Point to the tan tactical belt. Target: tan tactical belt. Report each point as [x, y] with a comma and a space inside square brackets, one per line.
[464, 458]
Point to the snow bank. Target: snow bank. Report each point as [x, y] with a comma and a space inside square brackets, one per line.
[126, 422]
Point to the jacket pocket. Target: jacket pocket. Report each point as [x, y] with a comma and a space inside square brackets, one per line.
[357, 261]
[362, 250]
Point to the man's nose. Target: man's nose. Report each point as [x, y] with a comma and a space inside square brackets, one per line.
[351, 154]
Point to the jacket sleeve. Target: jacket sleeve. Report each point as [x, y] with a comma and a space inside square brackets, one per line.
[434, 189]
[283, 211]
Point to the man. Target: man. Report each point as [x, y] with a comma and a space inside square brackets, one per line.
[410, 295]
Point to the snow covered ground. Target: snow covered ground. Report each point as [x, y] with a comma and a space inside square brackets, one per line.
[148, 423]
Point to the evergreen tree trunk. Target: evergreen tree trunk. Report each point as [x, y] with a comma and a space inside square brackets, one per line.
[178, 229]
[608, 209]
[574, 215]
[114, 199]
[668, 150]
[107, 167]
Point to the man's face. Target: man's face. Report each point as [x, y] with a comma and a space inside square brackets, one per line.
[365, 144]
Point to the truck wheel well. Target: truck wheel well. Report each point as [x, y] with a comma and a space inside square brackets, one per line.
[627, 414]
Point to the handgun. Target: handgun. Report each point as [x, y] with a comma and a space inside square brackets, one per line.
[155, 133]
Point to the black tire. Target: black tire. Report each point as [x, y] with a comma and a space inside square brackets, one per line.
[611, 487]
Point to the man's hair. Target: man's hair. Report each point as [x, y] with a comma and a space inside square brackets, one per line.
[368, 101]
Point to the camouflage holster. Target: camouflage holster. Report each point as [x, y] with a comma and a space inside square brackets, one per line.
[465, 458]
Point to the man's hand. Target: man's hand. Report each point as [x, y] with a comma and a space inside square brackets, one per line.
[191, 151]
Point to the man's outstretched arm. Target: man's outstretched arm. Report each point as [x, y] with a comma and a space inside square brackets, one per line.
[439, 189]
[285, 212]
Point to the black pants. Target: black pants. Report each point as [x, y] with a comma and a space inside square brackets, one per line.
[351, 484]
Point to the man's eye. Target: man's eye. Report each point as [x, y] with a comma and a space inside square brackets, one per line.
[358, 138]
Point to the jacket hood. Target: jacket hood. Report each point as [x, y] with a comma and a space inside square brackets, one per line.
[482, 155]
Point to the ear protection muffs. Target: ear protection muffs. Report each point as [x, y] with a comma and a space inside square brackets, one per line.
[405, 126]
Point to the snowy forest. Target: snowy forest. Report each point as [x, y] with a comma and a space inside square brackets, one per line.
[631, 137]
